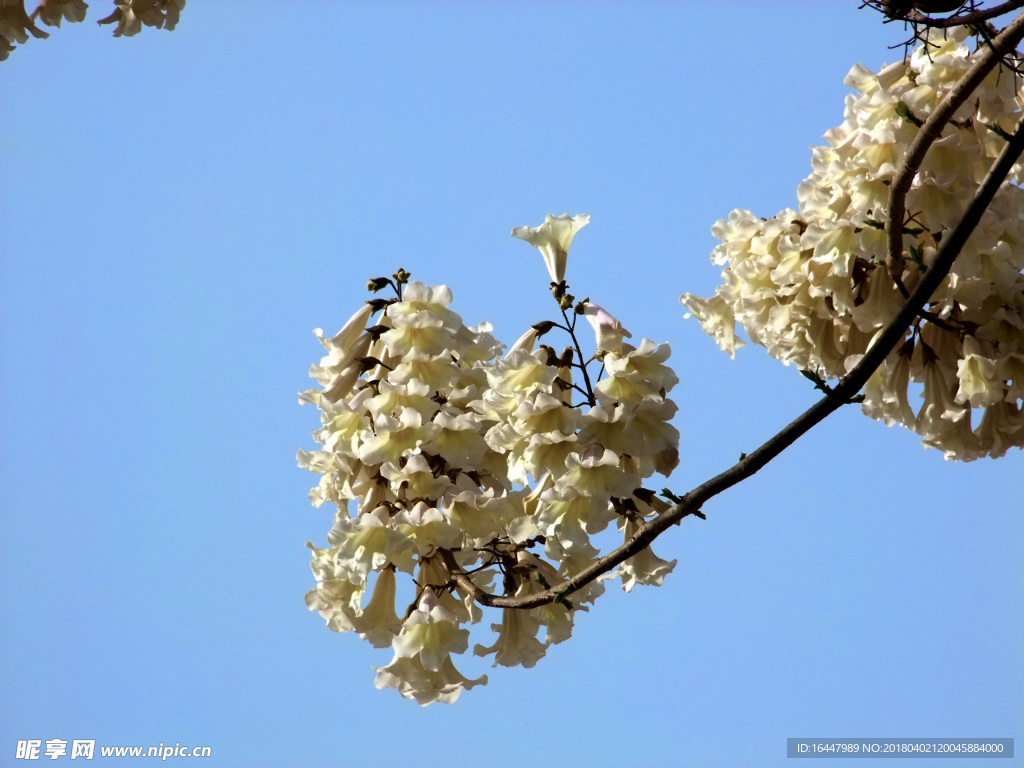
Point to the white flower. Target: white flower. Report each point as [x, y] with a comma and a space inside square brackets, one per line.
[336, 598]
[430, 633]
[976, 372]
[426, 686]
[379, 623]
[521, 371]
[458, 440]
[368, 542]
[423, 331]
[517, 642]
[426, 526]
[418, 297]
[644, 567]
[415, 480]
[649, 361]
[396, 437]
[569, 518]
[553, 238]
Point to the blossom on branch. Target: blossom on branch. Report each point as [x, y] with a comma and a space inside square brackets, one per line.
[813, 285]
[447, 461]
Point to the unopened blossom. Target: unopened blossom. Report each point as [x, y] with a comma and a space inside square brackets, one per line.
[525, 342]
[553, 238]
[607, 329]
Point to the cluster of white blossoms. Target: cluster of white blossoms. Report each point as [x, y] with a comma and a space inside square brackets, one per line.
[439, 452]
[812, 285]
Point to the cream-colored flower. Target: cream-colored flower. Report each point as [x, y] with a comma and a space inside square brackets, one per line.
[369, 542]
[426, 528]
[716, 318]
[458, 440]
[552, 238]
[644, 567]
[418, 297]
[976, 372]
[425, 686]
[595, 472]
[379, 623]
[570, 518]
[393, 438]
[431, 633]
[517, 643]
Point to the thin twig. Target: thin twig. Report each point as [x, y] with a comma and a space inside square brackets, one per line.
[582, 366]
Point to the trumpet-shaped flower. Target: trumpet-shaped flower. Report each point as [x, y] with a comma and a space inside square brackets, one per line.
[430, 633]
[379, 623]
[517, 643]
[425, 686]
[644, 567]
[552, 238]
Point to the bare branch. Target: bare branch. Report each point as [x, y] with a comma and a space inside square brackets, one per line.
[971, 18]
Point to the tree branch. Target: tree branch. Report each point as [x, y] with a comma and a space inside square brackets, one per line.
[962, 19]
[850, 385]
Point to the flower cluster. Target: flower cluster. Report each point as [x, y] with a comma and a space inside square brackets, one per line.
[445, 457]
[16, 24]
[812, 285]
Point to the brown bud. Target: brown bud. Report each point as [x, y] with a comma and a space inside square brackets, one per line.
[543, 327]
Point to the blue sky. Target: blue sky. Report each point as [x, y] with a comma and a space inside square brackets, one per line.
[180, 210]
